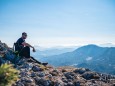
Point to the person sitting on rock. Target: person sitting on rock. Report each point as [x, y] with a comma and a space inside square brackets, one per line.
[23, 48]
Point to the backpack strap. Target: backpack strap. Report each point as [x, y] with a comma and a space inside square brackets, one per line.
[14, 47]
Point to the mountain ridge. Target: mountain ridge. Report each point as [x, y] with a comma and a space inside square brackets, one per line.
[95, 54]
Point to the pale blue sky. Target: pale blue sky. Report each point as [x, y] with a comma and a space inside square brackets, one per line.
[58, 22]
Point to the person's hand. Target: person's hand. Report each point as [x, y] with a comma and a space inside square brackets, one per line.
[34, 49]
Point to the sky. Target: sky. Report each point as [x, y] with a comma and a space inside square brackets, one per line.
[58, 22]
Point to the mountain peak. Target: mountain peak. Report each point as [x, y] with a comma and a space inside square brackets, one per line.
[91, 45]
[87, 47]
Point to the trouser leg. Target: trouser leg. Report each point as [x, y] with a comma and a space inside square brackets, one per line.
[25, 52]
[35, 60]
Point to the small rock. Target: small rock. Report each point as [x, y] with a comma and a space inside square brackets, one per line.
[29, 84]
[93, 81]
[23, 74]
[41, 74]
[26, 65]
[69, 75]
[50, 76]
[64, 70]
[96, 77]
[88, 76]
[44, 82]
[35, 68]
[29, 80]
[80, 71]
[65, 80]
[54, 73]
[19, 83]
[33, 74]
[57, 84]
[77, 83]
[37, 79]
[25, 79]
[113, 84]
[70, 84]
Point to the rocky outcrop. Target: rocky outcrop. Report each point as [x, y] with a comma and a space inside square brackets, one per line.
[34, 74]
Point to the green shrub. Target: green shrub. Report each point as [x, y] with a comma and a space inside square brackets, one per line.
[8, 75]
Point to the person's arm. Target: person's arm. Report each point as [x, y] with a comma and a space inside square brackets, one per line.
[26, 44]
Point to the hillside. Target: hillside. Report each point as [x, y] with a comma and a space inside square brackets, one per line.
[34, 74]
[101, 59]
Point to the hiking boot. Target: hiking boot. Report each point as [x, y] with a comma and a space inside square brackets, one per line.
[44, 64]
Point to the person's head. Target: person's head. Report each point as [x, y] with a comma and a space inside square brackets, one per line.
[24, 35]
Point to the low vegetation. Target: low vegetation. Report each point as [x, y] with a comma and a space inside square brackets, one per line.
[8, 75]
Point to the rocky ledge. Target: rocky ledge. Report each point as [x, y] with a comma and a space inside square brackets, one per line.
[34, 74]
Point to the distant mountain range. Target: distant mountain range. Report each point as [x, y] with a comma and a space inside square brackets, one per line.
[44, 52]
[101, 59]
